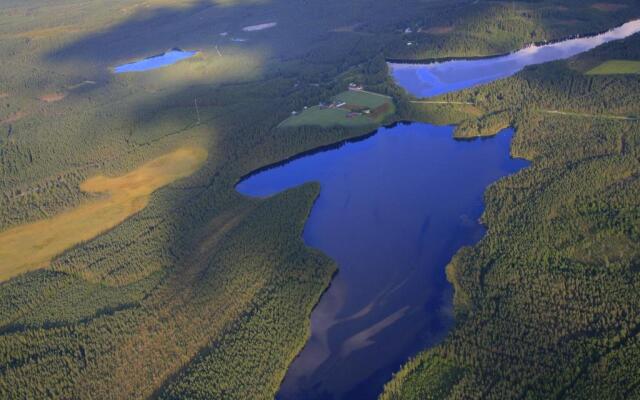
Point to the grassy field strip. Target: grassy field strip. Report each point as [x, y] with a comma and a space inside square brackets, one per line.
[373, 93]
[603, 116]
[33, 245]
[346, 109]
[442, 102]
[616, 67]
[363, 98]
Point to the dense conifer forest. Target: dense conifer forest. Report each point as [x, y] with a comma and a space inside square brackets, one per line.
[207, 294]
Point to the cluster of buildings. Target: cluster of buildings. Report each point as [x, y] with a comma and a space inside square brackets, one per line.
[333, 104]
[340, 104]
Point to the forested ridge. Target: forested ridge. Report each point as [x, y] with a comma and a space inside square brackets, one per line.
[547, 302]
[206, 293]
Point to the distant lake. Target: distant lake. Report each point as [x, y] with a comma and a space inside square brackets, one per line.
[426, 80]
[393, 209]
[159, 61]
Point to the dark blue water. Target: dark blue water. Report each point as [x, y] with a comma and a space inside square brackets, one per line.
[159, 61]
[425, 80]
[393, 209]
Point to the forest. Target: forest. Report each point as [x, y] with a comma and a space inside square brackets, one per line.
[205, 293]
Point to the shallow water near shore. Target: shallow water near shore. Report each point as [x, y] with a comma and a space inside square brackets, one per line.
[393, 209]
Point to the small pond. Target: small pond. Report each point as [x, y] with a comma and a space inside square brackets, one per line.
[159, 61]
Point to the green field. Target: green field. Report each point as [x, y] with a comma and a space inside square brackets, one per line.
[379, 106]
[616, 67]
[363, 98]
[317, 116]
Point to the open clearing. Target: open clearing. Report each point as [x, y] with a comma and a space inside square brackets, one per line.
[352, 108]
[616, 67]
[363, 98]
[33, 245]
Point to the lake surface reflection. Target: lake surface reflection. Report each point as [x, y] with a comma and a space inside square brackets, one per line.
[426, 80]
[392, 211]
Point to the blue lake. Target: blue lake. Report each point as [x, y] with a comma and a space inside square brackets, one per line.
[393, 209]
[426, 80]
[159, 61]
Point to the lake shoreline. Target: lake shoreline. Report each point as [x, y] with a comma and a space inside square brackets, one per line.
[353, 139]
[133, 63]
[300, 355]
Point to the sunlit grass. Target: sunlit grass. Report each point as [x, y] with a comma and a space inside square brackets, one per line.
[616, 67]
[33, 245]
